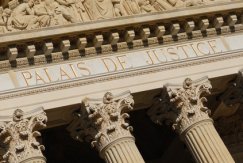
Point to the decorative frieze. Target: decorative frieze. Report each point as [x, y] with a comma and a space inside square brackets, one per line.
[103, 122]
[110, 40]
[17, 16]
[20, 138]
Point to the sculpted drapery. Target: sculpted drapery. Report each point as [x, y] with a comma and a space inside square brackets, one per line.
[100, 9]
[34, 14]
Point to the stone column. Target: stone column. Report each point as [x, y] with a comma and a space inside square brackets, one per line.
[183, 106]
[103, 122]
[19, 137]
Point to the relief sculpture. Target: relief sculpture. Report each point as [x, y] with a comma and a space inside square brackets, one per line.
[18, 15]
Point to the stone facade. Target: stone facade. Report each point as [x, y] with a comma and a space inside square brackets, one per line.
[178, 63]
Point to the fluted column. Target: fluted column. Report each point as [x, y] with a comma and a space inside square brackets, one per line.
[103, 122]
[205, 144]
[19, 136]
[184, 108]
[123, 150]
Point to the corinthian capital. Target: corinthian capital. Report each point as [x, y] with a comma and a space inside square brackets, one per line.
[103, 121]
[182, 105]
[19, 136]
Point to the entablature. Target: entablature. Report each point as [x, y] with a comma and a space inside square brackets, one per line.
[108, 36]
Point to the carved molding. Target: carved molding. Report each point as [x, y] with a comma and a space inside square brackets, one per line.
[103, 121]
[161, 31]
[19, 137]
[183, 106]
[71, 84]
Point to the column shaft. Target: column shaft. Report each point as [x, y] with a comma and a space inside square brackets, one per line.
[206, 145]
[184, 106]
[122, 151]
[104, 121]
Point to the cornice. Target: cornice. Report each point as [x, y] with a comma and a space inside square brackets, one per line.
[97, 25]
[109, 36]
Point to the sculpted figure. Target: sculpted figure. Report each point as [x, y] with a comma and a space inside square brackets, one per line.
[185, 3]
[2, 21]
[68, 10]
[32, 14]
[130, 7]
[45, 16]
[194, 2]
[100, 9]
[161, 5]
[5, 20]
[81, 10]
[23, 16]
[117, 7]
[145, 6]
[59, 14]
[215, 1]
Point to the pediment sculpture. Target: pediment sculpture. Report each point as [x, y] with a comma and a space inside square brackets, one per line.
[18, 15]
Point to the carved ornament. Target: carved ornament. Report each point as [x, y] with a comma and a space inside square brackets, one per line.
[19, 137]
[103, 122]
[182, 106]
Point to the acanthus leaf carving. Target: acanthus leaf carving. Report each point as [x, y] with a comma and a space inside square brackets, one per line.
[20, 137]
[102, 122]
[182, 106]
